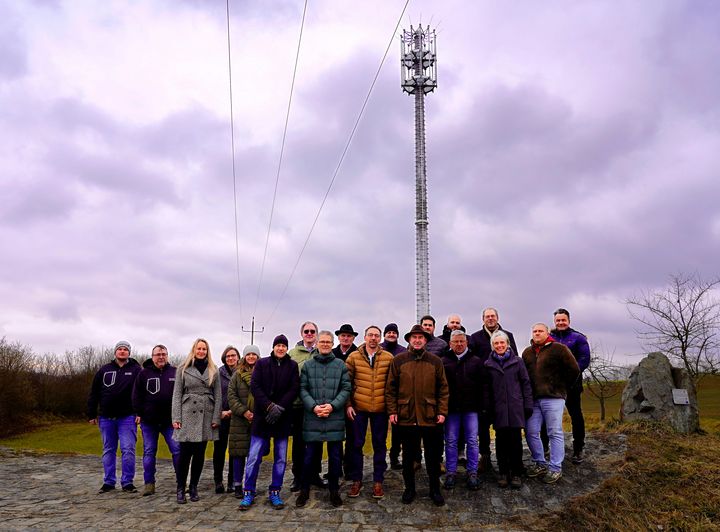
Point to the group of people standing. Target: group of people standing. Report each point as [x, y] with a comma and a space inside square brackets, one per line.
[438, 394]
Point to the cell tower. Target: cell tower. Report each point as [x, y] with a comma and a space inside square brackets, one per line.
[419, 77]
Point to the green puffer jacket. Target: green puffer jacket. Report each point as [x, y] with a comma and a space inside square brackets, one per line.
[324, 379]
[241, 400]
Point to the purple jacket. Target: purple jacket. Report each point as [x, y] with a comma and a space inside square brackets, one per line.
[577, 343]
[394, 349]
[509, 392]
[111, 391]
[274, 380]
[152, 394]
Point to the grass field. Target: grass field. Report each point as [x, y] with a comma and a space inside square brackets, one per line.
[83, 438]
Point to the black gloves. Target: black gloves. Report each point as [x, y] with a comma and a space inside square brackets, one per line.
[273, 413]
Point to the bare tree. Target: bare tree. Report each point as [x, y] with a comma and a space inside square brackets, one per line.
[683, 321]
[602, 376]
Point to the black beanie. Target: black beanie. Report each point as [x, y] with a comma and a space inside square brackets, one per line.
[391, 327]
[280, 339]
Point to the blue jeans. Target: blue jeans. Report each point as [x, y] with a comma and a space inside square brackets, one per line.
[151, 434]
[550, 411]
[252, 466]
[114, 430]
[378, 431]
[469, 422]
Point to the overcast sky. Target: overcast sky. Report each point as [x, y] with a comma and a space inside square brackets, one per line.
[573, 155]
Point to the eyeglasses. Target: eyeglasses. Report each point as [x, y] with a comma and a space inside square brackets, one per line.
[159, 354]
[308, 331]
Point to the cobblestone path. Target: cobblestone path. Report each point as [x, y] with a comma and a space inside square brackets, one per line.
[60, 492]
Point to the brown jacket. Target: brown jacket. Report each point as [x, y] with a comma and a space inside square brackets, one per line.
[417, 390]
[552, 369]
[368, 384]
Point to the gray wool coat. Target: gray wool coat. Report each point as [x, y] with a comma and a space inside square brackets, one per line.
[196, 405]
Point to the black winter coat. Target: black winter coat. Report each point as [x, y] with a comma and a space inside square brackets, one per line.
[508, 393]
[152, 394]
[479, 343]
[274, 380]
[465, 378]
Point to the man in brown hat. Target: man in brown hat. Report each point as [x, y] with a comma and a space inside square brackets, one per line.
[416, 396]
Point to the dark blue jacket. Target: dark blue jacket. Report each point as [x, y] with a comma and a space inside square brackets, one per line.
[465, 378]
[509, 392]
[225, 375]
[337, 351]
[274, 380]
[479, 342]
[152, 394]
[577, 343]
[111, 390]
[394, 349]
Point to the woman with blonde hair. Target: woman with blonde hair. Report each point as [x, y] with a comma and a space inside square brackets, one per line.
[196, 403]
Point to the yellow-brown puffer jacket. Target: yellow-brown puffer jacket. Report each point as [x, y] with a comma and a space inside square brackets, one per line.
[368, 384]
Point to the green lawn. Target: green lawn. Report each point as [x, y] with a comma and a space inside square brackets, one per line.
[83, 438]
[708, 401]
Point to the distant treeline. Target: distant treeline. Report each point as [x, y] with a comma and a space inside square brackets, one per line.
[52, 384]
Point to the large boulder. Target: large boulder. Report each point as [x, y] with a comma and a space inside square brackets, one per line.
[649, 395]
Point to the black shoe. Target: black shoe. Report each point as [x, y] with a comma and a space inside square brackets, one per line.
[408, 496]
[577, 457]
[129, 488]
[105, 488]
[437, 498]
[302, 498]
[194, 497]
[397, 466]
[219, 488]
[238, 492]
[181, 496]
[335, 499]
[295, 486]
[319, 482]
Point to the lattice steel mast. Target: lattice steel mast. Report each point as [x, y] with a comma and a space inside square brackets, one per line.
[419, 77]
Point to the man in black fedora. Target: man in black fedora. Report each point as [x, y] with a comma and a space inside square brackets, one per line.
[346, 342]
[416, 396]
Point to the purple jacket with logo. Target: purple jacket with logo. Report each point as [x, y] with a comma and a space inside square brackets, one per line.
[111, 390]
[577, 343]
[152, 394]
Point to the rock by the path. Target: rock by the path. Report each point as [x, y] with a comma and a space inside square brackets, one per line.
[649, 395]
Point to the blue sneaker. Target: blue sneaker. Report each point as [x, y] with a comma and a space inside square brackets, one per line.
[275, 500]
[247, 500]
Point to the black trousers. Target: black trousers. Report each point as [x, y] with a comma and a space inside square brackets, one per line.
[432, 442]
[509, 451]
[573, 403]
[484, 435]
[190, 452]
[219, 450]
[298, 446]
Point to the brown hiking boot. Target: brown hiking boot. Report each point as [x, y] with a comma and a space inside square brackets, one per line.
[378, 492]
[355, 488]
